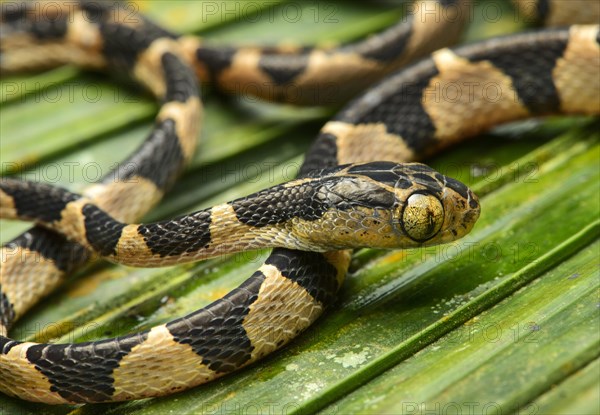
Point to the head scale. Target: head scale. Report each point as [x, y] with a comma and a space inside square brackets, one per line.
[389, 205]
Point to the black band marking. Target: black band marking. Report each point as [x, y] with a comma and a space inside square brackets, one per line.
[531, 73]
[162, 148]
[181, 82]
[50, 28]
[7, 312]
[188, 233]
[397, 104]
[123, 44]
[23, 18]
[216, 333]
[101, 230]
[542, 10]
[283, 69]
[389, 45]
[321, 155]
[51, 246]
[12, 12]
[278, 205]
[115, 36]
[83, 372]
[37, 200]
[97, 11]
[216, 60]
[6, 344]
[310, 270]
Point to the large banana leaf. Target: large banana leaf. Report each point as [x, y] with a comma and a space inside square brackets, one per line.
[505, 320]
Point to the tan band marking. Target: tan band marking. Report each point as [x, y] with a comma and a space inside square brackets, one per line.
[18, 41]
[232, 235]
[21, 379]
[21, 277]
[148, 68]
[187, 117]
[72, 222]
[8, 209]
[84, 34]
[224, 223]
[577, 73]
[328, 70]
[565, 12]
[189, 45]
[125, 199]
[434, 27]
[132, 249]
[561, 12]
[367, 142]
[47, 55]
[479, 89]
[341, 261]
[142, 373]
[283, 309]
[243, 73]
[527, 9]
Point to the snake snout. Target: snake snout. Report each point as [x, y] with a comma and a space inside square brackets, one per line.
[472, 214]
[474, 206]
[461, 208]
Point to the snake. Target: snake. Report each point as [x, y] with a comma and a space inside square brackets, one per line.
[361, 184]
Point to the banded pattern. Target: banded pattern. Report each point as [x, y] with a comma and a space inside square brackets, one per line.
[292, 288]
[340, 208]
[34, 263]
[310, 76]
[134, 366]
[559, 12]
[560, 77]
[302, 76]
[104, 35]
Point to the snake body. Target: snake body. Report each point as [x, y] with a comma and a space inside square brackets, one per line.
[381, 204]
[332, 205]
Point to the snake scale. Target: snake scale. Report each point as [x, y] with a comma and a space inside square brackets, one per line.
[359, 184]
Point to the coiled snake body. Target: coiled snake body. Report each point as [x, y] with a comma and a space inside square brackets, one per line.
[373, 201]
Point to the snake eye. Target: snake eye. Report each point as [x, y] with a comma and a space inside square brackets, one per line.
[423, 216]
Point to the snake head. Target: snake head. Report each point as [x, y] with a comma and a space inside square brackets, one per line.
[390, 205]
[432, 208]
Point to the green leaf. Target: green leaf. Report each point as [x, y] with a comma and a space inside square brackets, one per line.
[505, 320]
